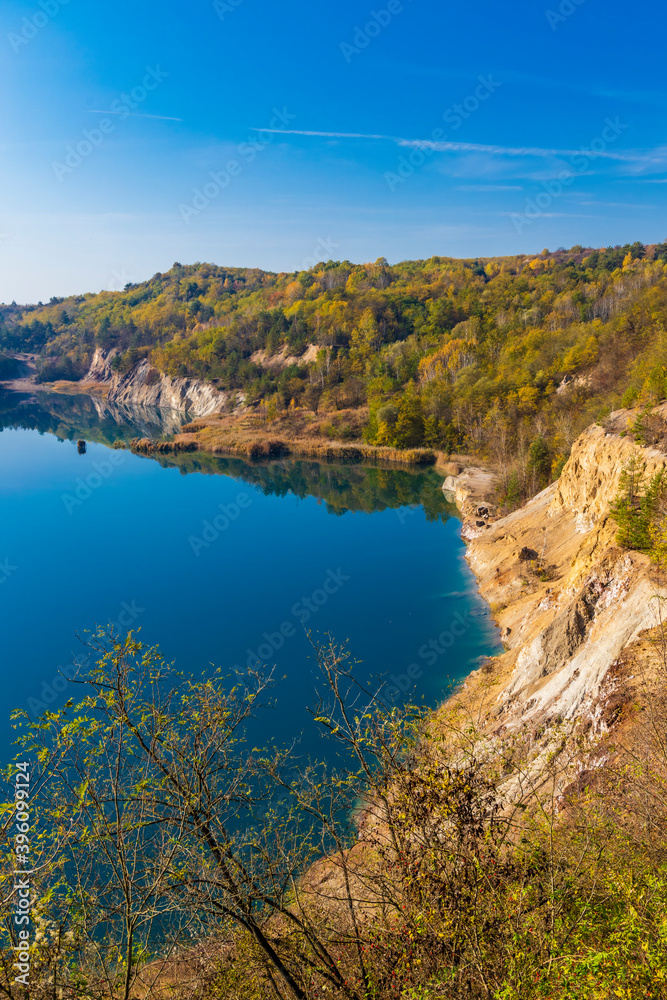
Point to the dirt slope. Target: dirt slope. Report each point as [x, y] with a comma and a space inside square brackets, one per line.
[569, 600]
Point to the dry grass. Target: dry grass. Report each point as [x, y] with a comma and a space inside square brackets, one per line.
[304, 434]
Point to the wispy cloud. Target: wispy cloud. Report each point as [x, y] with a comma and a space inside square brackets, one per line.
[489, 187]
[613, 204]
[551, 215]
[626, 156]
[133, 114]
[325, 135]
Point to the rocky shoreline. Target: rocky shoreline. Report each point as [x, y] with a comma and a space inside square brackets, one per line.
[473, 490]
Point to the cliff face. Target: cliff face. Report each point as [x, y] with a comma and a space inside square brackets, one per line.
[569, 600]
[145, 386]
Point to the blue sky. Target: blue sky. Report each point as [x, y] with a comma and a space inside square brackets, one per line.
[411, 128]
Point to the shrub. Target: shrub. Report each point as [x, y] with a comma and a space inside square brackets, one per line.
[9, 367]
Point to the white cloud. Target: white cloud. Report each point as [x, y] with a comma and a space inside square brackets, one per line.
[134, 114]
[489, 187]
[550, 215]
[614, 204]
[658, 155]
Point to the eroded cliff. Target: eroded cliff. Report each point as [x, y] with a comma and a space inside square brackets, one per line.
[570, 601]
[144, 386]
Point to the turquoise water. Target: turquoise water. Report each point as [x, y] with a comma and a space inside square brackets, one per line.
[223, 563]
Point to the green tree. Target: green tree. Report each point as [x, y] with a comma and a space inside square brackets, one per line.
[432, 432]
[637, 505]
[539, 459]
[409, 429]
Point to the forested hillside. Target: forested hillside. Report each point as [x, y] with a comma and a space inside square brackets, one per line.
[507, 357]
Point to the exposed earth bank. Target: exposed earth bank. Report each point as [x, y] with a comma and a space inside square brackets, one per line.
[578, 613]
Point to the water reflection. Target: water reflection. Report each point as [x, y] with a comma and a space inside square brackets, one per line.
[89, 417]
[340, 488]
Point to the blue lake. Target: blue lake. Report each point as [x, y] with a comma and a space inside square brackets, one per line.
[223, 563]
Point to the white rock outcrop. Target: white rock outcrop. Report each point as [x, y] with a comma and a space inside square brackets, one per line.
[145, 386]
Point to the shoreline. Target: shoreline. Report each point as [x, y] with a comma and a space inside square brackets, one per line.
[29, 385]
[273, 446]
[468, 482]
[242, 434]
[233, 434]
[225, 434]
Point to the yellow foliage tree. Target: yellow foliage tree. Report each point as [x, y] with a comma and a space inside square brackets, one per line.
[446, 362]
[363, 343]
[528, 397]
